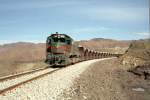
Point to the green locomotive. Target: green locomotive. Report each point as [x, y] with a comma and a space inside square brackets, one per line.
[60, 50]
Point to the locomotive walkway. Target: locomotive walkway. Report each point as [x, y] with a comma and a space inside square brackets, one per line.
[46, 87]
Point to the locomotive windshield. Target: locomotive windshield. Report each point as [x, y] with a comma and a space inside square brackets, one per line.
[59, 39]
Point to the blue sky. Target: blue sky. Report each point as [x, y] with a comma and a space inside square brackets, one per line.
[34, 20]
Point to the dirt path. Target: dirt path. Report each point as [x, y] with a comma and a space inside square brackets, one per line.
[108, 80]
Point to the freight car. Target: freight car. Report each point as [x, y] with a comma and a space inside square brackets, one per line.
[61, 51]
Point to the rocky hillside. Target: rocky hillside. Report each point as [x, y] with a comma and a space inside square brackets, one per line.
[137, 58]
[138, 53]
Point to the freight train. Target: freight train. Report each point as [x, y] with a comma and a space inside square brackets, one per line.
[61, 51]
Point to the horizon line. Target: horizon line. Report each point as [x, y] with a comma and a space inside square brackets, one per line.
[38, 42]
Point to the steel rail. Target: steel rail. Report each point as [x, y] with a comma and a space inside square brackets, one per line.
[3, 91]
[21, 74]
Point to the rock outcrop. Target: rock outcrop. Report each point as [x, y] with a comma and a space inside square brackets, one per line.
[138, 53]
[137, 58]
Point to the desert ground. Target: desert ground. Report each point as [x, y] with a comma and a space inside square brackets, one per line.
[11, 67]
[108, 80]
[102, 80]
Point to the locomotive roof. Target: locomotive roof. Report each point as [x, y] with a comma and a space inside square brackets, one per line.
[66, 36]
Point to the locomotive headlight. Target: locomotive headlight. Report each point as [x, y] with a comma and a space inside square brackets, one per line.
[62, 36]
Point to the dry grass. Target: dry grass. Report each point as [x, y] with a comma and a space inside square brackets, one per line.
[8, 68]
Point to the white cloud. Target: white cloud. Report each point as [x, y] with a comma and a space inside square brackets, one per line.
[143, 34]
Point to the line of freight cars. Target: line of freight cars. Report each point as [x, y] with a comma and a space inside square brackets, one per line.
[62, 51]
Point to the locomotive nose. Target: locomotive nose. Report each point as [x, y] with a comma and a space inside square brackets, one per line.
[59, 48]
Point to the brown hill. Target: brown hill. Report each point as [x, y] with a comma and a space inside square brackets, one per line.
[106, 45]
[18, 57]
[22, 51]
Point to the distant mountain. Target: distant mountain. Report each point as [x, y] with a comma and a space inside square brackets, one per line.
[22, 51]
[106, 45]
[101, 39]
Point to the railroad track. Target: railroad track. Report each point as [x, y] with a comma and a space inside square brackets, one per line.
[55, 79]
[22, 78]
[8, 77]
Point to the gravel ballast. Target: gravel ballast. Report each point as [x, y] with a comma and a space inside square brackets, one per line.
[8, 83]
[50, 86]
